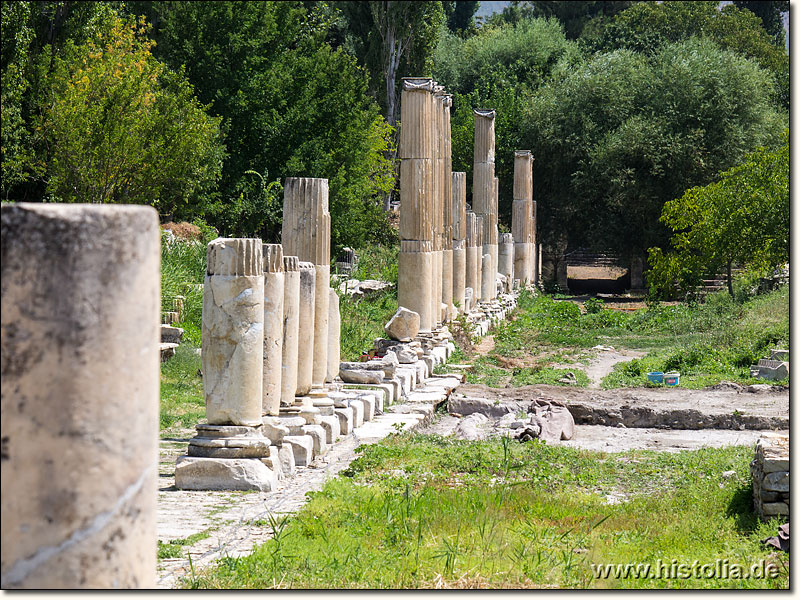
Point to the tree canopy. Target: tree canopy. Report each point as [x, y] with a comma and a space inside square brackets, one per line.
[742, 218]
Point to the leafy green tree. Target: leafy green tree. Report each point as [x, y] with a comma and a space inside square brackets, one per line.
[743, 218]
[770, 14]
[498, 68]
[393, 39]
[574, 15]
[460, 16]
[15, 154]
[646, 27]
[120, 127]
[617, 137]
[291, 106]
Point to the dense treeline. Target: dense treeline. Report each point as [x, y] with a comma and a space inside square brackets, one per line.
[203, 108]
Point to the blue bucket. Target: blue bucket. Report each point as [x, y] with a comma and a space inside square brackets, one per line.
[655, 377]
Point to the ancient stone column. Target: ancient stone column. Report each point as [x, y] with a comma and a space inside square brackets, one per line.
[233, 332]
[484, 196]
[305, 334]
[334, 336]
[506, 259]
[417, 202]
[291, 329]
[472, 280]
[80, 363]
[522, 217]
[459, 214]
[447, 211]
[437, 123]
[487, 282]
[273, 328]
[479, 231]
[306, 233]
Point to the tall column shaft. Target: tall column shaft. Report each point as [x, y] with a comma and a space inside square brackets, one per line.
[506, 259]
[523, 218]
[306, 233]
[471, 279]
[80, 361]
[233, 332]
[459, 237]
[334, 336]
[418, 205]
[291, 329]
[479, 228]
[305, 335]
[447, 207]
[484, 194]
[273, 328]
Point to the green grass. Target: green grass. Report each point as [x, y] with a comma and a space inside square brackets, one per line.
[362, 320]
[182, 401]
[174, 548]
[707, 343]
[427, 511]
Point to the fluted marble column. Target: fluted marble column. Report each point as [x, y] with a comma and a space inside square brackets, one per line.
[291, 329]
[273, 328]
[447, 211]
[305, 335]
[459, 215]
[484, 195]
[522, 217]
[415, 285]
[306, 233]
[505, 264]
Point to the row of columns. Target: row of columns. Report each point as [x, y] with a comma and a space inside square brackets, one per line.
[444, 247]
[270, 343]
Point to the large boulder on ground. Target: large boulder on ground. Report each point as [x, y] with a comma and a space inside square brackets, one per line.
[403, 326]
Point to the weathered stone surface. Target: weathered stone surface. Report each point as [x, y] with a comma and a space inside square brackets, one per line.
[317, 434]
[273, 430]
[302, 447]
[472, 427]
[286, 456]
[226, 431]
[273, 328]
[80, 374]
[360, 376]
[405, 354]
[345, 416]
[291, 328]
[403, 326]
[776, 482]
[334, 336]
[193, 473]
[330, 423]
[171, 335]
[233, 331]
[305, 352]
[772, 509]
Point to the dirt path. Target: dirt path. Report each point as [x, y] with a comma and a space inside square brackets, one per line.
[603, 363]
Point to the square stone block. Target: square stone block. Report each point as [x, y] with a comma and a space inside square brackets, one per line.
[345, 416]
[331, 426]
[286, 456]
[357, 405]
[239, 474]
[317, 434]
[302, 448]
[369, 406]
